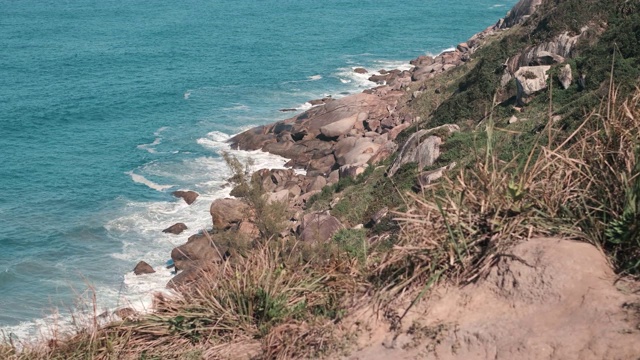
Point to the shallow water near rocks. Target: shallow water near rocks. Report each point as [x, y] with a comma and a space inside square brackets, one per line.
[106, 107]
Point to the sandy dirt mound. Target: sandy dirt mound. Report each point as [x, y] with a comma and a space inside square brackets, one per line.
[546, 299]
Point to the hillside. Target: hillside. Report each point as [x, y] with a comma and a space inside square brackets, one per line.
[483, 204]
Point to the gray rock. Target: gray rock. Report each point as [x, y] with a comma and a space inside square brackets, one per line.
[318, 227]
[278, 196]
[566, 76]
[317, 184]
[189, 277]
[428, 177]
[333, 177]
[377, 217]
[530, 80]
[339, 127]
[249, 229]
[198, 248]
[393, 133]
[551, 52]
[188, 196]
[175, 229]
[384, 152]
[227, 212]
[302, 200]
[546, 58]
[321, 166]
[520, 12]
[422, 148]
[143, 268]
[355, 151]
[463, 47]
[294, 189]
[423, 60]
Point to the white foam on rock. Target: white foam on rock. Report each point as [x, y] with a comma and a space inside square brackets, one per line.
[140, 229]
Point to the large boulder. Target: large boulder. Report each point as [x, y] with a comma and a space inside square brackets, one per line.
[384, 152]
[423, 147]
[339, 127]
[547, 58]
[188, 196]
[191, 276]
[393, 133]
[321, 166]
[318, 227]
[551, 52]
[565, 76]
[253, 139]
[355, 151]
[175, 229]
[343, 108]
[281, 196]
[248, 229]
[420, 73]
[520, 12]
[423, 60]
[199, 248]
[227, 212]
[530, 80]
[317, 183]
[143, 268]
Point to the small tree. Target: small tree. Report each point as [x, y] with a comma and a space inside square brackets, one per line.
[270, 216]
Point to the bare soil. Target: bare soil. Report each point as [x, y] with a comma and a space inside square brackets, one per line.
[546, 299]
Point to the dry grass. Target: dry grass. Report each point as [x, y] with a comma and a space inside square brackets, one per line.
[267, 301]
[273, 304]
[583, 185]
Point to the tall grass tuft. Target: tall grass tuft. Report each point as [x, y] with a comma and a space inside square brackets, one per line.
[583, 185]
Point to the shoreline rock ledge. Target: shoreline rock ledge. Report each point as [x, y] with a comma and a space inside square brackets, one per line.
[335, 139]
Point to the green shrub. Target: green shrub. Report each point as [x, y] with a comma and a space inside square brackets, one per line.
[353, 243]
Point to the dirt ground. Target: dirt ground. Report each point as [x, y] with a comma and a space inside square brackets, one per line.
[546, 299]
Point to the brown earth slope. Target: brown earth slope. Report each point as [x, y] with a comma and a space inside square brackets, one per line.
[546, 299]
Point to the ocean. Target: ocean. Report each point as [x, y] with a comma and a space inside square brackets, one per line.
[107, 107]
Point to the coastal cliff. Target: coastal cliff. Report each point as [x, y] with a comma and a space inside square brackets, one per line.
[482, 204]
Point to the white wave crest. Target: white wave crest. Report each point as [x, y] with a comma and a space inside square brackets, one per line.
[149, 147]
[144, 181]
[237, 107]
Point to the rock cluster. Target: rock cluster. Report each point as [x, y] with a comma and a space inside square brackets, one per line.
[340, 138]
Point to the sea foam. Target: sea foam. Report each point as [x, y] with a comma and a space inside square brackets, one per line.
[144, 181]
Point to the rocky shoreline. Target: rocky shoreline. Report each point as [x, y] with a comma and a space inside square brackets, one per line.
[335, 139]
[349, 253]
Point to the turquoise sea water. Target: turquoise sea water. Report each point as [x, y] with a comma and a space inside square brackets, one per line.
[106, 107]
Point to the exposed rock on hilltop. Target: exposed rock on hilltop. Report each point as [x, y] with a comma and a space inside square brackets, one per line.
[520, 12]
